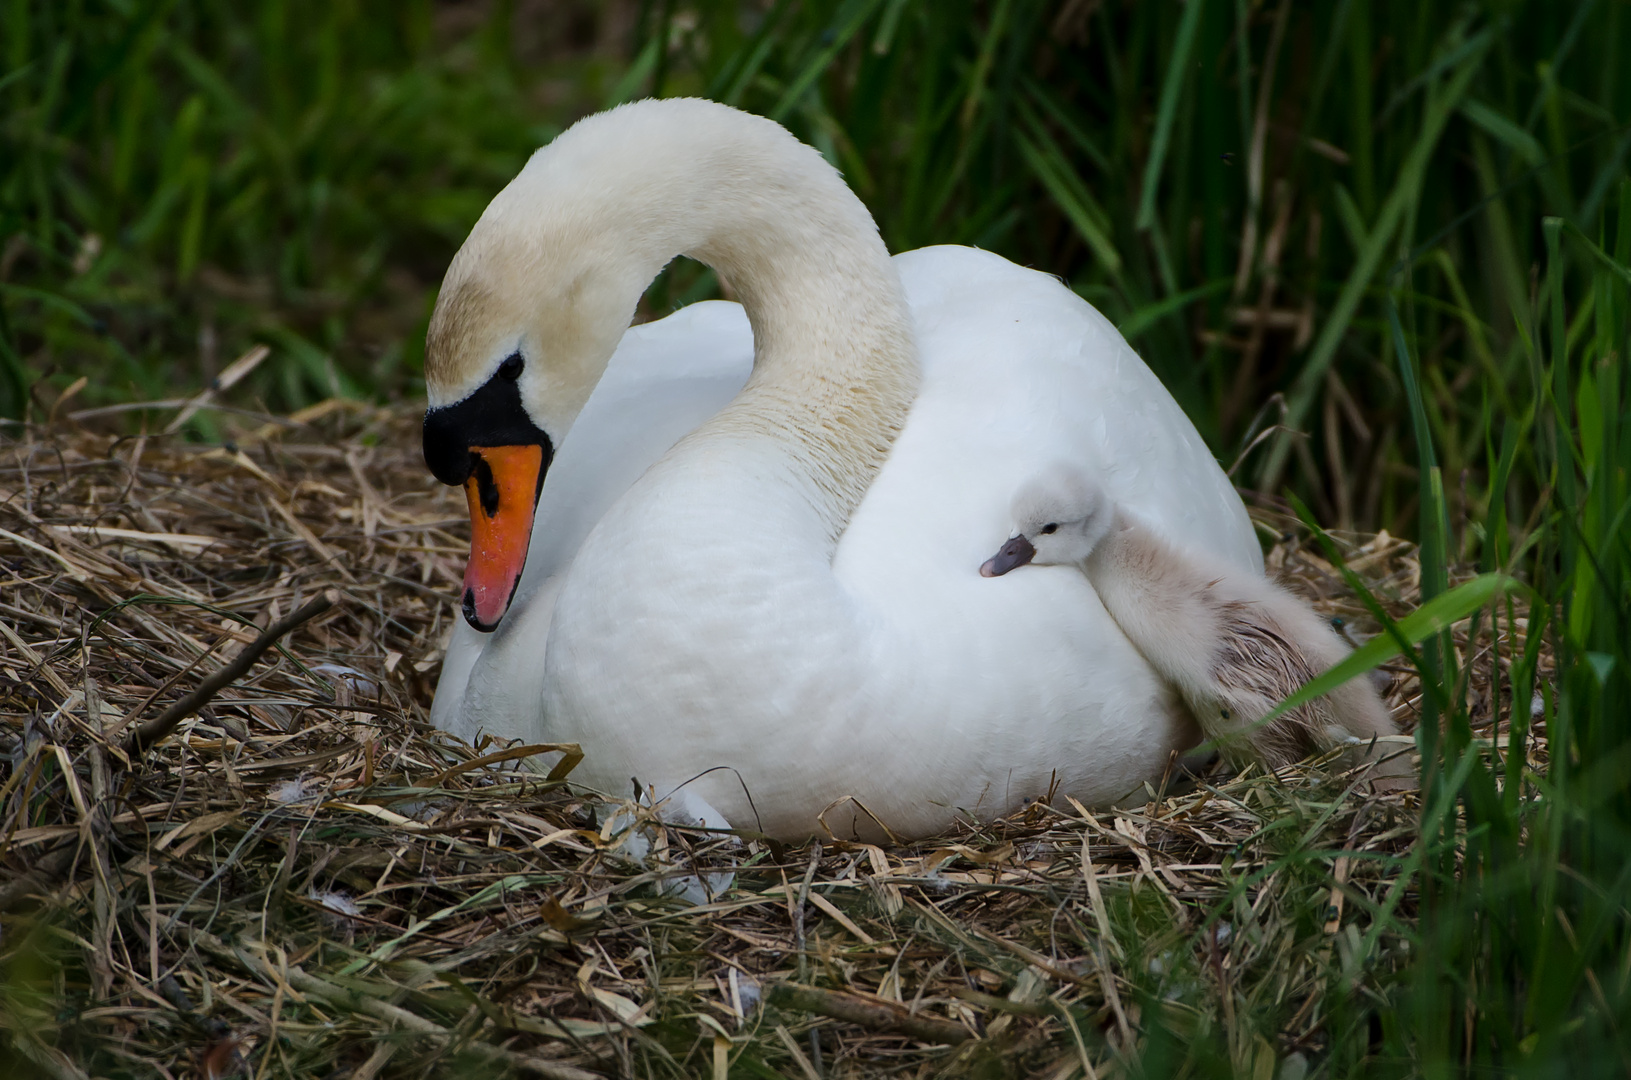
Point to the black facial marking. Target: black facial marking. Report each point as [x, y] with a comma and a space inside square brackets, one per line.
[486, 486]
[492, 416]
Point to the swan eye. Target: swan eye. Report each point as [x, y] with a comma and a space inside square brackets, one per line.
[1225, 713]
[1050, 527]
[511, 367]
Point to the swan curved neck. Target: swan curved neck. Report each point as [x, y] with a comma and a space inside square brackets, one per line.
[835, 366]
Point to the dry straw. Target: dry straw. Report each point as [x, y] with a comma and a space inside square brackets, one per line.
[302, 878]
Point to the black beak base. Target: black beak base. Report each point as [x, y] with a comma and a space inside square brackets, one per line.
[492, 416]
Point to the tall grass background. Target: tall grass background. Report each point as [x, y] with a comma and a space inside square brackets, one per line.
[1381, 252]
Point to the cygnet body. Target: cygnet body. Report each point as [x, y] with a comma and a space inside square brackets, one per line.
[1234, 645]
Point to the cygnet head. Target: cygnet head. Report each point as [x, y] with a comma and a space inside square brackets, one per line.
[1060, 516]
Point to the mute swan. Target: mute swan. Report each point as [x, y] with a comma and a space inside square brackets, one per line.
[1235, 645]
[786, 595]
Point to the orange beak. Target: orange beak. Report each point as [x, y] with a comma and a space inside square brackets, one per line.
[502, 490]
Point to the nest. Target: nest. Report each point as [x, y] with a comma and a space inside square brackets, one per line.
[304, 878]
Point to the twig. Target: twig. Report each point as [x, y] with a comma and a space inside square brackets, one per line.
[798, 908]
[235, 371]
[97, 830]
[160, 727]
[877, 1014]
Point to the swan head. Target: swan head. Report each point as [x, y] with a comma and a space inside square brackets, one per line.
[507, 372]
[529, 313]
[537, 299]
[1060, 516]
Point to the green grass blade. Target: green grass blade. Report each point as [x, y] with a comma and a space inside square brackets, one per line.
[1433, 617]
[1178, 68]
[1504, 131]
[849, 20]
[1147, 316]
[1068, 194]
[1434, 519]
[627, 86]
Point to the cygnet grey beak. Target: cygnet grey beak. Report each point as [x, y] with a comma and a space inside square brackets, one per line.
[1015, 553]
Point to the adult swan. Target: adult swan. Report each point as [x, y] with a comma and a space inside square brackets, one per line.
[790, 595]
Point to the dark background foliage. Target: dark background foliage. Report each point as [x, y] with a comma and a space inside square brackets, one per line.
[1234, 183]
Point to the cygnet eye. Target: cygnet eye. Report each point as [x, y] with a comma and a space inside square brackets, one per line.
[511, 367]
[1050, 527]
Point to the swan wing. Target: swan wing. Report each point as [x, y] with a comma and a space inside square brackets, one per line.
[994, 689]
[1019, 372]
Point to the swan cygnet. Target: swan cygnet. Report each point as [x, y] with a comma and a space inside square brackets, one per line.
[1234, 645]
